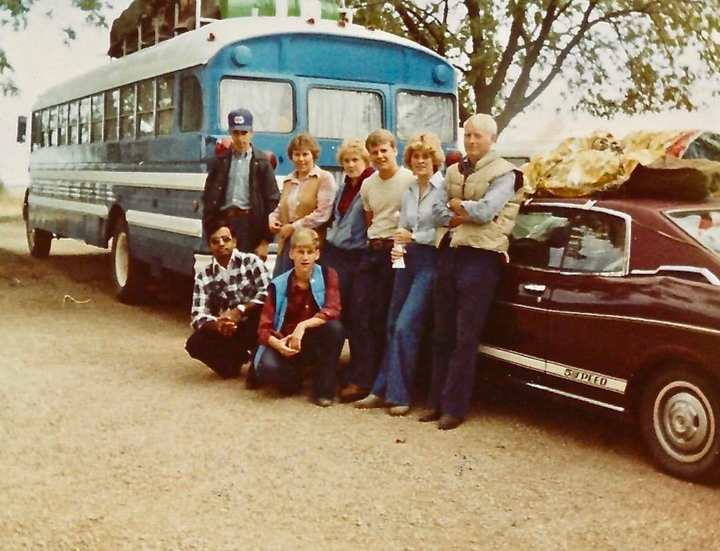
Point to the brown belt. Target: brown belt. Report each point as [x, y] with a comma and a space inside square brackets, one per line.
[380, 243]
[235, 212]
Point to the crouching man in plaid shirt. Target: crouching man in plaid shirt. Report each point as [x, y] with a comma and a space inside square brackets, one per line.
[227, 301]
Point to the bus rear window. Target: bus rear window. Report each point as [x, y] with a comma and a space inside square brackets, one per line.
[271, 103]
[417, 112]
[343, 114]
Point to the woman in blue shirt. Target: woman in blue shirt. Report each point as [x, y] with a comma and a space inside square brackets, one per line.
[412, 291]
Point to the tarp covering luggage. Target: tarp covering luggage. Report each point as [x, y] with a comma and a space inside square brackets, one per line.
[670, 164]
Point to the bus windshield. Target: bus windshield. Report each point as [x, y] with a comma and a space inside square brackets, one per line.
[427, 112]
[270, 102]
[340, 114]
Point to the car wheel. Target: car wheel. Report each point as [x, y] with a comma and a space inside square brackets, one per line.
[129, 273]
[38, 240]
[679, 418]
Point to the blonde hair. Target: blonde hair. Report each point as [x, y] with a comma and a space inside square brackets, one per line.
[482, 123]
[378, 137]
[353, 146]
[424, 142]
[305, 236]
[304, 140]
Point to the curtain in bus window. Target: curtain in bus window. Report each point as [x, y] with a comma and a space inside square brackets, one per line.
[417, 112]
[343, 113]
[73, 110]
[269, 102]
[52, 125]
[62, 124]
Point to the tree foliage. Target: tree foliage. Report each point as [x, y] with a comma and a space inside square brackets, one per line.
[14, 16]
[612, 56]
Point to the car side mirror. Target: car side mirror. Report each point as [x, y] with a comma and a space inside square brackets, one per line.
[21, 129]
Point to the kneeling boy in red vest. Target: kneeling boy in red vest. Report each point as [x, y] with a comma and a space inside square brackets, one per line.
[299, 324]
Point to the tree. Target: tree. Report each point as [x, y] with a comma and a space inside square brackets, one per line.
[14, 15]
[613, 56]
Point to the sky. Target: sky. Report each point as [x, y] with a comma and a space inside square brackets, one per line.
[41, 59]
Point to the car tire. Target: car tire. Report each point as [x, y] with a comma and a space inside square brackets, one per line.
[680, 423]
[129, 274]
[38, 240]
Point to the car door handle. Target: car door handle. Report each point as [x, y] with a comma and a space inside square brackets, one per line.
[532, 288]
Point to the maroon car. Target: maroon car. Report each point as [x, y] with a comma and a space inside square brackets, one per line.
[615, 303]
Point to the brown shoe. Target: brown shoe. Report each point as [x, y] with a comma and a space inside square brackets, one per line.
[352, 393]
[429, 416]
[449, 422]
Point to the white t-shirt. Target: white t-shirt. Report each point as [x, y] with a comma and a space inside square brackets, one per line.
[382, 198]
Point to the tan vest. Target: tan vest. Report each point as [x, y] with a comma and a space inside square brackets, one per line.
[307, 202]
[494, 234]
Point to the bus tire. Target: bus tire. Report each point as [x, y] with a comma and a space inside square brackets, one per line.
[680, 423]
[38, 240]
[129, 274]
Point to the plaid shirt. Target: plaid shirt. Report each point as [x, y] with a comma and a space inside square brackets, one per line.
[248, 279]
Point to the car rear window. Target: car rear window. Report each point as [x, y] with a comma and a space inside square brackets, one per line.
[701, 225]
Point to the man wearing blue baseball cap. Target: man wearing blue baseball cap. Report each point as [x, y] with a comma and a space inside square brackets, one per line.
[241, 187]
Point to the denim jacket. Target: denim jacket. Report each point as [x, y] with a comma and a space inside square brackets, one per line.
[349, 231]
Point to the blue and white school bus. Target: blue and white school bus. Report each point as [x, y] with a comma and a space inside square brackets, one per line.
[118, 154]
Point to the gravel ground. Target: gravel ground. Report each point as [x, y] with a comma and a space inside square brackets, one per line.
[111, 438]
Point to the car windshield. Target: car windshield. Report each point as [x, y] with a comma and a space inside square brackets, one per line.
[701, 225]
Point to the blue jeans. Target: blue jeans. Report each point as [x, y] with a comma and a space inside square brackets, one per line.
[464, 291]
[345, 262]
[371, 293]
[411, 299]
[321, 348]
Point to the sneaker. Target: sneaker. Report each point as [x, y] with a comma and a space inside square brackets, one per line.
[353, 392]
[324, 402]
[370, 401]
[449, 422]
[399, 411]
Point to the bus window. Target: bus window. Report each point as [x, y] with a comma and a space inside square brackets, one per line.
[127, 112]
[52, 126]
[416, 112]
[112, 107]
[343, 114]
[146, 108]
[96, 118]
[165, 105]
[45, 121]
[85, 120]
[62, 124]
[73, 109]
[190, 104]
[271, 103]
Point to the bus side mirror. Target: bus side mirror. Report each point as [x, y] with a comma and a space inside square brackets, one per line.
[21, 129]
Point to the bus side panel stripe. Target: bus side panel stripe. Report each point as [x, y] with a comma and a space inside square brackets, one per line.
[164, 222]
[74, 206]
[165, 180]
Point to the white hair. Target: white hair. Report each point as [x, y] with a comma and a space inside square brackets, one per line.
[482, 123]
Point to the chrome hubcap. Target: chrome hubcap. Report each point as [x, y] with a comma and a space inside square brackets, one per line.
[121, 259]
[684, 422]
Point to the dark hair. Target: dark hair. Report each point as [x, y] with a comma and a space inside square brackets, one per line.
[214, 225]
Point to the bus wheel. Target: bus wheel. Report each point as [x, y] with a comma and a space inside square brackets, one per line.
[38, 240]
[129, 274]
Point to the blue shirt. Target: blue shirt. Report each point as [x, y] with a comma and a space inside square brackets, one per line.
[416, 212]
[238, 191]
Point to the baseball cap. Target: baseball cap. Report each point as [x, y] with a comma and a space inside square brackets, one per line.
[240, 119]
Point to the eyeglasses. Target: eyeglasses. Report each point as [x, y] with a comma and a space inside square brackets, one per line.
[219, 240]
